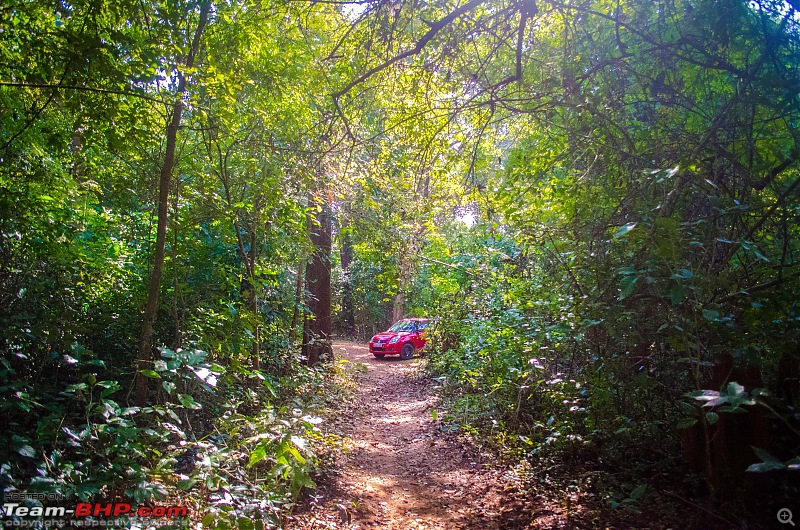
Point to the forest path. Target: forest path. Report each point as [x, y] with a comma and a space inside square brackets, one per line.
[402, 472]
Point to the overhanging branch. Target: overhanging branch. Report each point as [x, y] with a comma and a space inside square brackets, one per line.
[435, 27]
[85, 89]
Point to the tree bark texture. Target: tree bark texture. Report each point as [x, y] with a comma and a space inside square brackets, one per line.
[317, 328]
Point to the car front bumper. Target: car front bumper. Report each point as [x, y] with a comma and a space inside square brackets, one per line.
[385, 349]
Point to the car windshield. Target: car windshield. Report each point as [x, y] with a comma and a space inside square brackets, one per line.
[408, 325]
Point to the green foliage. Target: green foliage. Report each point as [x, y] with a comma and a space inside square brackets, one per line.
[770, 463]
[277, 444]
[506, 350]
[629, 170]
[83, 88]
[640, 253]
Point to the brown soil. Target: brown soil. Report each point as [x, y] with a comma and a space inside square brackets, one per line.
[402, 472]
[403, 469]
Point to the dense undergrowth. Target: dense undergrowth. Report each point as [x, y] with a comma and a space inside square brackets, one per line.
[235, 448]
[597, 202]
[560, 383]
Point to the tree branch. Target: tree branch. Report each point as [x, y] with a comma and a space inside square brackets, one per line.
[451, 265]
[85, 89]
[518, 69]
[735, 248]
[418, 47]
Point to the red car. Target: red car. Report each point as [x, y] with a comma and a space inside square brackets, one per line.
[402, 339]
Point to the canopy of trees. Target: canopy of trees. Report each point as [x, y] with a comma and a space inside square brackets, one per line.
[595, 200]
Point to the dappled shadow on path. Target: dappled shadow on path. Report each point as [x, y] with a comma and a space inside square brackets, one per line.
[402, 472]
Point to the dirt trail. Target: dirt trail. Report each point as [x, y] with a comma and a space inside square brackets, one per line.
[402, 471]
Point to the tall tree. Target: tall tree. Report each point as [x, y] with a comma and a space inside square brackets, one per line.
[317, 330]
[145, 357]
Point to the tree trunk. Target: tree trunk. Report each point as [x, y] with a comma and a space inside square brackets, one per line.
[397, 310]
[317, 328]
[176, 313]
[255, 350]
[145, 359]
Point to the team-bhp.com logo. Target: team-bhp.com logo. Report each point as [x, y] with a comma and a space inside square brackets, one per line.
[87, 509]
[25, 510]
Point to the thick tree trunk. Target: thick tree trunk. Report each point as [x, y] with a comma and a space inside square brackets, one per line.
[317, 328]
[145, 359]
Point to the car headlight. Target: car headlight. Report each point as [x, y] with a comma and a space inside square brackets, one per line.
[372, 339]
[394, 340]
